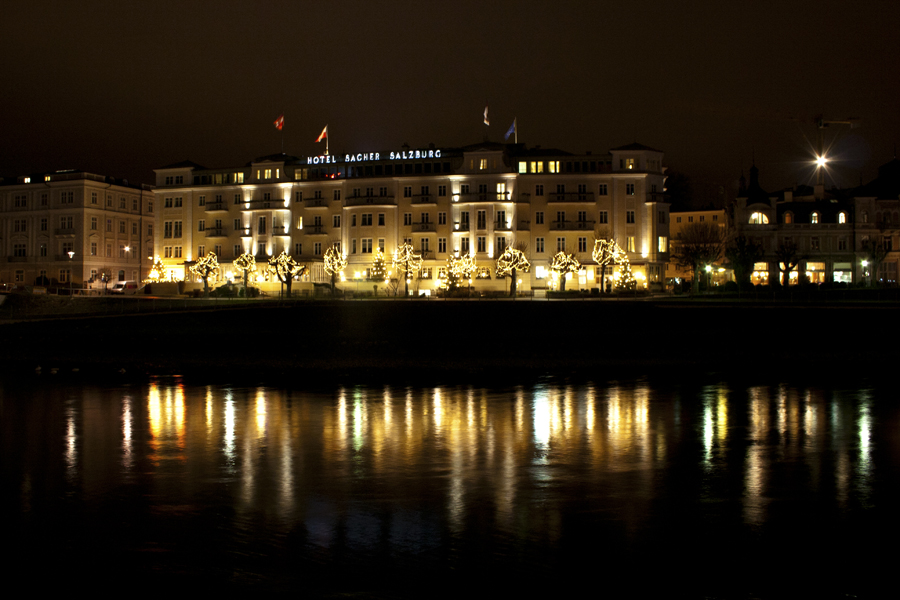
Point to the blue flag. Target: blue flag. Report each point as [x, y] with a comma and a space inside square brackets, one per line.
[510, 131]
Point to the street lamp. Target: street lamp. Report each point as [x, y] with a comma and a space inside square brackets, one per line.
[71, 256]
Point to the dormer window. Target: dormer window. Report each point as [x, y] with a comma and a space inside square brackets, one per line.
[788, 218]
[759, 218]
[842, 217]
[814, 218]
[629, 164]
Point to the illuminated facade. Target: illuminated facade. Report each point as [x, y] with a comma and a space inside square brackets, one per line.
[472, 201]
[681, 219]
[832, 235]
[106, 224]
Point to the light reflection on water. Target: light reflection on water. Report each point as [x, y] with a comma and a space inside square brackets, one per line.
[523, 472]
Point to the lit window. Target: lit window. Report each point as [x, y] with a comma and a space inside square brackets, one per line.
[759, 218]
[842, 217]
[663, 244]
[814, 218]
[788, 218]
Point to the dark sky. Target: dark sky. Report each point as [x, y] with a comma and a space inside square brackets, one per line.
[121, 87]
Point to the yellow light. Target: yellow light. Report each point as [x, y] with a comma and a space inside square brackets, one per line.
[820, 161]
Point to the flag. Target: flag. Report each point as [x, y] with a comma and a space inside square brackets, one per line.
[323, 135]
[279, 122]
[510, 131]
[486, 120]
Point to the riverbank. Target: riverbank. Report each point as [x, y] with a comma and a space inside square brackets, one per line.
[372, 340]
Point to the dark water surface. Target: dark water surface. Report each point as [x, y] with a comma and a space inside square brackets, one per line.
[611, 489]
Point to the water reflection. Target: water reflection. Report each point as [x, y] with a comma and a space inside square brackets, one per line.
[404, 470]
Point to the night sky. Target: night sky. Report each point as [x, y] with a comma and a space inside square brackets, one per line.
[122, 87]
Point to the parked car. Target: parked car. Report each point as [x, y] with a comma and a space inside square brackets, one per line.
[124, 287]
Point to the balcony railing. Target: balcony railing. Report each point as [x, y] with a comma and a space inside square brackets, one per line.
[263, 205]
[244, 231]
[216, 207]
[369, 200]
[482, 197]
[314, 230]
[571, 197]
[279, 230]
[423, 199]
[65, 231]
[215, 232]
[502, 226]
[571, 225]
[315, 203]
[419, 227]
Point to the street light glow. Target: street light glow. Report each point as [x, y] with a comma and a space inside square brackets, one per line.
[820, 161]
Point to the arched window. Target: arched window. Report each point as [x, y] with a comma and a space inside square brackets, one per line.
[865, 217]
[842, 217]
[814, 217]
[788, 218]
[759, 218]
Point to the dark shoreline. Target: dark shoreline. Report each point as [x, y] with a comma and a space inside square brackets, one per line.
[320, 342]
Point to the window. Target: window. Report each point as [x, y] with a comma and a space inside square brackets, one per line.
[814, 217]
[201, 250]
[758, 218]
[236, 250]
[501, 219]
[19, 250]
[69, 198]
[178, 229]
[201, 225]
[702, 218]
[539, 218]
[121, 202]
[442, 190]
[337, 194]
[481, 242]
[201, 201]
[662, 218]
[407, 218]
[842, 244]
[582, 244]
[407, 191]
[560, 244]
[366, 219]
[539, 245]
[788, 218]
[134, 229]
[178, 202]
[662, 244]
[553, 166]
[630, 243]
[629, 164]
[814, 243]
[44, 224]
[381, 219]
[481, 219]
[888, 243]
[539, 190]
[122, 227]
[442, 245]
[629, 189]
[381, 244]
[19, 225]
[464, 246]
[603, 190]
[336, 220]
[842, 217]
[603, 217]
[262, 226]
[109, 226]
[317, 248]
[423, 245]
[629, 216]
[366, 245]
[298, 249]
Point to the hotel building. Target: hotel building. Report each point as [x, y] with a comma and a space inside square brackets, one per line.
[475, 200]
[68, 227]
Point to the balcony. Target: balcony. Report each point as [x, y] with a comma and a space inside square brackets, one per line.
[315, 203]
[482, 197]
[370, 201]
[244, 231]
[423, 199]
[216, 207]
[571, 225]
[25, 258]
[279, 230]
[571, 197]
[502, 226]
[461, 226]
[423, 227]
[212, 232]
[269, 204]
[314, 230]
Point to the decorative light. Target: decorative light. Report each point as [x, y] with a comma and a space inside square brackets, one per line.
[510, 261]
[334, 261]
[246, 263]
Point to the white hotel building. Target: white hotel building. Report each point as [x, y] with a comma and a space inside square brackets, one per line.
[473, 200]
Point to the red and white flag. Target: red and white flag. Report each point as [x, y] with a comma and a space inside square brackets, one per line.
[323, 135]
[279, 122]
[486, 120]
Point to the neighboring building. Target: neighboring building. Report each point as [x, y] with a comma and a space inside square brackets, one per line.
[831, 235]
[106, 224]
[679, 220]
[474, 200]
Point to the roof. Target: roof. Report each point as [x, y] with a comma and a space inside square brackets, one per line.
[634, 148]
[185, 164]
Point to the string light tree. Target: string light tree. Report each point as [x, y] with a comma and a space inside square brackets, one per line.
[512, 260]
[407, 262]
[335, 263]
[459, 268]
[562, 264]
[607, 251]
[246, 262]
[203, 268]
[286, 268]
[626, 282]
[378, 271]
[157, 271]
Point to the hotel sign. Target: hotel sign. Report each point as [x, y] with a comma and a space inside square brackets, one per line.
[328, 159]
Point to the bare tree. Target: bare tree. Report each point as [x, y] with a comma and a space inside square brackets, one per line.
[203, 268]
[286, 268]
[788, 260]
[698, 245]
[334, 263]
[246, 263]
[606, 251]
[564, 263]
[408, 262]
[875, 254]
[508, 263]
[743, 253]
